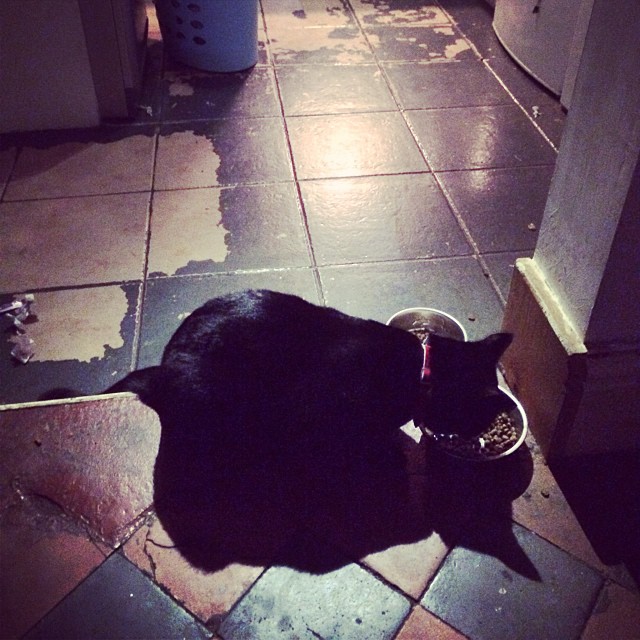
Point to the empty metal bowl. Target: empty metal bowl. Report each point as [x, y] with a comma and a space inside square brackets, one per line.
[422, 319]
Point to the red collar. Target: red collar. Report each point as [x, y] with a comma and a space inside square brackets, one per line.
[426, 368]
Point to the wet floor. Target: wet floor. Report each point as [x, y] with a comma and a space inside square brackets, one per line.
[379, 156]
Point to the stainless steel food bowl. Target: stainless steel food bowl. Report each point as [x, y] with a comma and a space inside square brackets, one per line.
[431, 320]
[512, 407]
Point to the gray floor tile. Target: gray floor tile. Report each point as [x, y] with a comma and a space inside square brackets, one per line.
[454, 285]
[501, 207]
[436, 44]
[7, 160]
[501, 266]
[222, 152]
[408, 12]
[321, 89]
[434, 86]
[68, 242]
[346, 603]
[193, 95]
[318, 45]
[108, 160]
[474, 19]
[354, 144]
[501, 604]
[224, 229]
[169, 300]
[380, 218]
[117, 601]
[479, 137]
[549, 114]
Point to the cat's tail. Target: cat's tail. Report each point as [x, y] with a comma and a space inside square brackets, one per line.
[142, 382]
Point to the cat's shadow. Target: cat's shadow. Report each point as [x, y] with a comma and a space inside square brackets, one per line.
[317, 513]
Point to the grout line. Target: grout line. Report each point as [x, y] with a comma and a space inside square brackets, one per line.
[462, 33]
[77, 196]
[73, 287]
[139, 313]
[296, 181]
[520, 106]
[18, 151]
[404, 113]
[477, 254]
[383, 72]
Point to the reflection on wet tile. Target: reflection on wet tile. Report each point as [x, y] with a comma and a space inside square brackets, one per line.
[502, 603]
[204, 594]
[168, 301]
[265, 227]
[454, 285]
[383, 12]
[421, 624]
[83, 168]
[433, 86]
[435, 44]
[83, 340]
[485, 137]
[382, 217]
[43, 557]
[243, 227]
[93, 459]
[353, 145]
[287, 600]
[549, 114]
[319, 89]
[118, 601]
[73, 241]
[501, 207]
[226, 151]
[192, 95]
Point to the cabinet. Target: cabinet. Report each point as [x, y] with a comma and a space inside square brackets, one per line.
[69, 63]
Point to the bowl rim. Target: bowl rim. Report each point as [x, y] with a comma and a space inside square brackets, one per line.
[431, 310]
[514, 447]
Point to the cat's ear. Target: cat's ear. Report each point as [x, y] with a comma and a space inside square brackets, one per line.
[497, 343]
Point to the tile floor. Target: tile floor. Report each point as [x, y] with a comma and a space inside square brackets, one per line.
[380, 155]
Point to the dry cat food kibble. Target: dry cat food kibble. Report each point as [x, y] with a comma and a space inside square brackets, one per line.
[500, 437]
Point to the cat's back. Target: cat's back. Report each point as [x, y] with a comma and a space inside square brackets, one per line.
[285, 357]
[261, 327]
[244, 318]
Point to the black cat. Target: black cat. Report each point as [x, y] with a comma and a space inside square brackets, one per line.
[262, 370]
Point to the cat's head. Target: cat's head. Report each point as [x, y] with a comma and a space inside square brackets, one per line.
[461, 392]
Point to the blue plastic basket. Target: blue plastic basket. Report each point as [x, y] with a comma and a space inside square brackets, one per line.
[213, 35]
